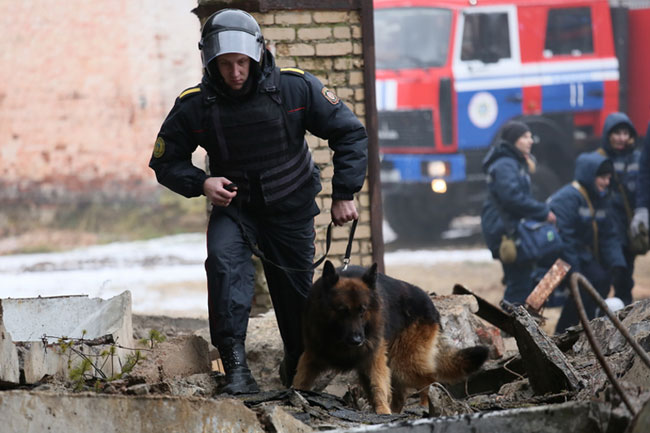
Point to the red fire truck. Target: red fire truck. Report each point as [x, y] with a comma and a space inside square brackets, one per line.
[450, 73]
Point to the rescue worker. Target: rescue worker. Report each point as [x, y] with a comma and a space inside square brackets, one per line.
[587, 227]
[639, 225]
[251, 118]
[508, 165]
[618, 144]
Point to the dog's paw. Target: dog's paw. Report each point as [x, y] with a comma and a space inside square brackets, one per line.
[383, 410]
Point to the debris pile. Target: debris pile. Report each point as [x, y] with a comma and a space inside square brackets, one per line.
[532, 382]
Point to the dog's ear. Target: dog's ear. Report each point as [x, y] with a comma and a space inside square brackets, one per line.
[370, 276]
[330, 277]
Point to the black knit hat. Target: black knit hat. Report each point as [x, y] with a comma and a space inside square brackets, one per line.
[513, 130]
[606, 167]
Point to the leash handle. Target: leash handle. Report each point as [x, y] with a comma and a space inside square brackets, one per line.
[348, 249]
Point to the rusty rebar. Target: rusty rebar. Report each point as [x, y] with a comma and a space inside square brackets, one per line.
[579, 278]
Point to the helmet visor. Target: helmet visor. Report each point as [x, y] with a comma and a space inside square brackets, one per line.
[231, 41]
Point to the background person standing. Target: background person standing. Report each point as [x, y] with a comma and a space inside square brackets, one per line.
[618, 144]
[586, 225]
[508, 165]
[640, 220]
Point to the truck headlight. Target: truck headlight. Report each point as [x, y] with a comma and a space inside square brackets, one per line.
[437, 169]
[439, 186]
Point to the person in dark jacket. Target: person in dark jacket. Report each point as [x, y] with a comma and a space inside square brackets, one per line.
[508, 165]
[251, 118]
[618, 144]
[587, 227]
[639, 225]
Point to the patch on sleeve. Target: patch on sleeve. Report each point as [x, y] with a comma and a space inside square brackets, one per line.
[159, 148]
[330, 96]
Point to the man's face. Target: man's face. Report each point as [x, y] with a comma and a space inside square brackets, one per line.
[619, 138]
[234, 68]
[602, 182]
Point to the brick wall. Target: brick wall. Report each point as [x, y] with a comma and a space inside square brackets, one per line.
[85, 86]
[327, 44]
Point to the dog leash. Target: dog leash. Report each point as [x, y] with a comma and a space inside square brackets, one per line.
[348, 249]
[328, 242]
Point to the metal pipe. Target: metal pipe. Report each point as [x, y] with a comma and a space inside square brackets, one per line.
[579, 278]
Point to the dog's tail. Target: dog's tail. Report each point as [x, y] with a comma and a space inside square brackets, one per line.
[453, 365]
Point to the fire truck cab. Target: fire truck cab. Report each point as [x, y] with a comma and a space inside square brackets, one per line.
[450, 73]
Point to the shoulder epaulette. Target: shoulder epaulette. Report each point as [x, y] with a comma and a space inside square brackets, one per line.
[295, 71]
[189, 91]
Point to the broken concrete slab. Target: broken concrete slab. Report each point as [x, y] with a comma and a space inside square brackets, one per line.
[441, 402]
[79, 413]
[641, 422]
[459, 322]
[548, 369]
[181, 356]
[9, 366]
[635, 318]
[487, 311]
[29, 319]
[582, 417]
[36, 325]
[281, 421]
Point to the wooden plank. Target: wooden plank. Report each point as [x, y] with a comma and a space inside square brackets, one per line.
[545, 287]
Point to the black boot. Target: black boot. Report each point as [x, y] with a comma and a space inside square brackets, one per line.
[239, 379]
[288, 369]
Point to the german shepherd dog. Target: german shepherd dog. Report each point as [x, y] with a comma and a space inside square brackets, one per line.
[386, 329]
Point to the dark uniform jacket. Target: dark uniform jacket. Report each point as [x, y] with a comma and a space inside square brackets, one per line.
[643, 180]
[574, 219]
[257, 141]
[623, 184]
[508, 183]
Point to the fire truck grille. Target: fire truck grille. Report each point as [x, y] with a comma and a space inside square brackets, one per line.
[406, 128]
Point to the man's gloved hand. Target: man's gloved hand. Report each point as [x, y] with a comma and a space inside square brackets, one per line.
[640, 218]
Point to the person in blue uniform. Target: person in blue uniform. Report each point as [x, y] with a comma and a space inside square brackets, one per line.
[508, 165]
[586, 224]
[618, 144]
[251, 118]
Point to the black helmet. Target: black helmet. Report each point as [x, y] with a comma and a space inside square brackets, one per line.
[231, 31]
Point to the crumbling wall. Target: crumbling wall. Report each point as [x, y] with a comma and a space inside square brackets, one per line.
[85, 88]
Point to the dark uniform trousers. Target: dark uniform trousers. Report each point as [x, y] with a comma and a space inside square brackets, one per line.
[230, 272]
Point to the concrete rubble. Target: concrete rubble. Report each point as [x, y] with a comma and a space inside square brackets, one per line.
[36, 326]
[80, 413]
[174, 388]
[9, 364]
